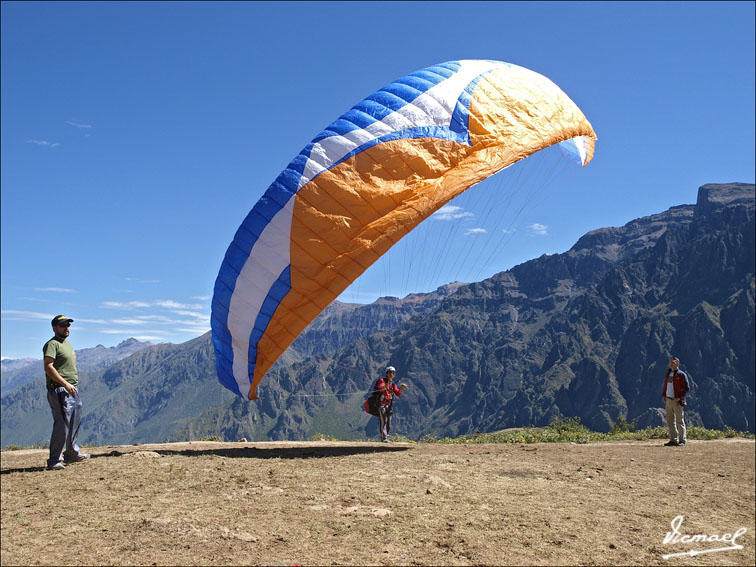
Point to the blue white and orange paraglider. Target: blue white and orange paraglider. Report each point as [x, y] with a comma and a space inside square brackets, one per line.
[365, 182]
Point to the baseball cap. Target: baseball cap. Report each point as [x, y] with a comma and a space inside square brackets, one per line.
[59, 319]
[390, 369]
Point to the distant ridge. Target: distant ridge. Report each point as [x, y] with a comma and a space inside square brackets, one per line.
[584, 333]
[17, 372]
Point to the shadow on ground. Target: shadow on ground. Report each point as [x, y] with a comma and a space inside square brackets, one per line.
[23, 469]
[283, 452]
[245, 453]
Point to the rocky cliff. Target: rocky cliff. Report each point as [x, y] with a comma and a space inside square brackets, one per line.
[584, 333]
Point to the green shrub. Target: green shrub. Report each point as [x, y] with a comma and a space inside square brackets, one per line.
[658, 432]
[324, 437]
[622, 426]
[570, 430]
[568, 425]
[695, 432]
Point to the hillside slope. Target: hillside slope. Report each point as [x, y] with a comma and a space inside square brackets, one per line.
[16, 373]
[161, 390]
[585, 333]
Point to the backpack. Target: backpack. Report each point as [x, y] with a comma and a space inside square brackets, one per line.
[371, 404]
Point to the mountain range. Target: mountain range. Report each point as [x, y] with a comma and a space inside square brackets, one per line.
[585, 333]
[20, 371]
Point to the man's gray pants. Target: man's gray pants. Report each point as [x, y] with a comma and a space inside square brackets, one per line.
[384, 415]
[676, 421]
[66, 411]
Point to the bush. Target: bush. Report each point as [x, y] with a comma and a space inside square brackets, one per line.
[568, 425]
[695, 432]
[658, 432]
[324, 437]
[622, 426]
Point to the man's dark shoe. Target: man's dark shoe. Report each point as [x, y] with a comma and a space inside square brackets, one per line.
[681, 443]
[78, 458]
[671, 444]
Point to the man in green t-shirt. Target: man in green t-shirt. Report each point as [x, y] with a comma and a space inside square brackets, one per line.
[63, 396]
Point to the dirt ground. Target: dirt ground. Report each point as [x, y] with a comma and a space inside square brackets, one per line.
[344, 503]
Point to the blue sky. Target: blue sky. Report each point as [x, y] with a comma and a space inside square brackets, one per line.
[137, 136]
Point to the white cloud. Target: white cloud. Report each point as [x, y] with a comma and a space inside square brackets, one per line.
[539, 229]
[199, 322]
[470, 231]
[168, 304]
[194, 330]
[136, 321]
[24, 315]
[186, 313]
[162, 318]
[43, 143]
[173, 305]
[133, 332]
[125, 305]
[34, 316]
[154, 318]
[55, 289]
[78, 125]
[451, 212]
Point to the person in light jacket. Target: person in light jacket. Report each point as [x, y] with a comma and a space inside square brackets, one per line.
[676, 387]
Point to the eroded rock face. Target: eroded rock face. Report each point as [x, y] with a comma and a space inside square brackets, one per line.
[585, 333]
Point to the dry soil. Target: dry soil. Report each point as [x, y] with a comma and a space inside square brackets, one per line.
[344, 503]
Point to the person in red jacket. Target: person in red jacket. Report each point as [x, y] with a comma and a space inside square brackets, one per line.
[386, 391]
[676, 386]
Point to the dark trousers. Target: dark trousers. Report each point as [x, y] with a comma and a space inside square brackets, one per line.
[384, 414]
[66, 411]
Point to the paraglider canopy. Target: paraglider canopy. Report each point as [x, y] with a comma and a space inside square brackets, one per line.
[366, 181]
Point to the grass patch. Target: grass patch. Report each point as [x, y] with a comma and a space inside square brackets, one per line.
[32, 446]
[567, 430]
[570, 430]
[563, 430]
